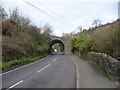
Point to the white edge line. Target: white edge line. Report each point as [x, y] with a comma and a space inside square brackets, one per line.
[77, 75]
[15, 84]
[23, 66]
[43, 68]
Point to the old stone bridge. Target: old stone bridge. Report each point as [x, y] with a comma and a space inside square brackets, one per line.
[63, 41]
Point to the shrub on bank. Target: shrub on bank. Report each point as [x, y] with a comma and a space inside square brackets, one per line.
[103, 39]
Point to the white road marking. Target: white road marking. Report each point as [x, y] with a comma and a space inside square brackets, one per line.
[23, 66]
[55, 59]
[15, 84]
[43, 68]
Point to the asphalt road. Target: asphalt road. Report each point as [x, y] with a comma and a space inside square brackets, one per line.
[54, 71]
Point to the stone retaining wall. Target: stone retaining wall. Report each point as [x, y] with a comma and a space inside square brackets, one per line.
[108, 64]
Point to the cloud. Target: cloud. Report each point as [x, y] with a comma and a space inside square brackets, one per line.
[77, 12]
[68, 1]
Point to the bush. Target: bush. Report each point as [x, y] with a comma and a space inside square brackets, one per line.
[7, 28]
[103, 39]
[82, 42]
[26, 40]
[106, 39]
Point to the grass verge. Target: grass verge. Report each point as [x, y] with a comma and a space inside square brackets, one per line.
[19, 62]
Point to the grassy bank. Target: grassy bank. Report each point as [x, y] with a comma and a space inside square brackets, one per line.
[19, 62]
[102, 39]
[22, 38]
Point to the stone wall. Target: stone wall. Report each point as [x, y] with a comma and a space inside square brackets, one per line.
[67, 45]
[65, 41]
[107, 64]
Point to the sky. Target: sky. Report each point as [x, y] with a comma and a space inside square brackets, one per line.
[69, 14]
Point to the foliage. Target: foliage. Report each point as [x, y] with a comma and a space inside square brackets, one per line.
[82, 42]
[8, 64]
[58, 46]
[104, 39]
[7, 28]
[23, 39]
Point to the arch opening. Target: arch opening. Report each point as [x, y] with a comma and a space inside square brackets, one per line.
[56, 47]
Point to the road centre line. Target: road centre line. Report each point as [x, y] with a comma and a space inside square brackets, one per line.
[15, 85]
[43, 68]
[55, 59]
[46, 66]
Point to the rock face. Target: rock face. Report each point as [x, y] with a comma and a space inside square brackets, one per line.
[108, 64]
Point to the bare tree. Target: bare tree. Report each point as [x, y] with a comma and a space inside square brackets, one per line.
[47, 29]
[17, 19]
[20, 22]
[96, 23]
[80, 28]
[3, 14]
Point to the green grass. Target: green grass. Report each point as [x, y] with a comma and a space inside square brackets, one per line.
[5, 65]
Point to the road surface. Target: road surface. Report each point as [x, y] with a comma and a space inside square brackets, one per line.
[54, 71]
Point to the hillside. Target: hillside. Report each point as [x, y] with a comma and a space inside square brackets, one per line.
[22, 42]
[103, 39]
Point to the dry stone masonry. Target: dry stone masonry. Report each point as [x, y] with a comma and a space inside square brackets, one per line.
[108, 64]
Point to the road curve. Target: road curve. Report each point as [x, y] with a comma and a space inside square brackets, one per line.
[54, 71]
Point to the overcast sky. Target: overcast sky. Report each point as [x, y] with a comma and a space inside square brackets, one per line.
[72, 13]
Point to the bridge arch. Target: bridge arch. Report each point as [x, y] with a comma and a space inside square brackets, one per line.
[55, 41]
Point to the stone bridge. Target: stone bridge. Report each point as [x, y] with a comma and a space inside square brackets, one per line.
[62, 40]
